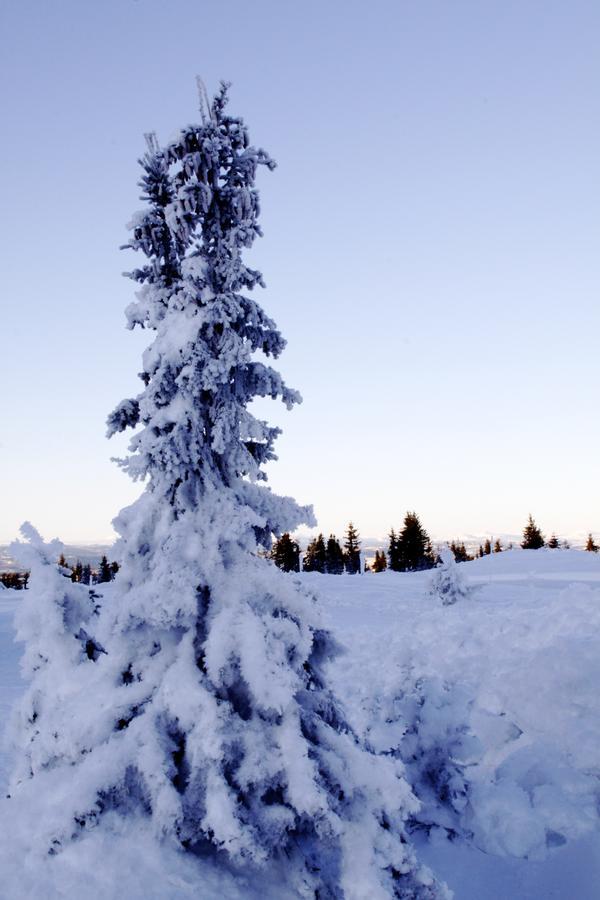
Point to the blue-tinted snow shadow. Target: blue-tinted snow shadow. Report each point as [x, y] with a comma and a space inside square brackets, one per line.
[571, 872]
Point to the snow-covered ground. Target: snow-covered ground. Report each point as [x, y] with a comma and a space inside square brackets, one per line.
[525, 651]
[509, 679]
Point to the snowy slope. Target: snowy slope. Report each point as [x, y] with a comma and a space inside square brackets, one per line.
[525, 652]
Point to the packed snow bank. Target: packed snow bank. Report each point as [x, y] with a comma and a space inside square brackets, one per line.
[504, 683]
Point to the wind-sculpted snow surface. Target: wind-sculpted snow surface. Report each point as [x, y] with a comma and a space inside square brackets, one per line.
[192, 695]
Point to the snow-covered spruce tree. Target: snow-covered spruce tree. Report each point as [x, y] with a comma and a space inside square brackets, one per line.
[447, 582]
[56, 619]
[209, 713]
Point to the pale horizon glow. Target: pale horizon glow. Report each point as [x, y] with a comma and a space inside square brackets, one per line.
[430, 251]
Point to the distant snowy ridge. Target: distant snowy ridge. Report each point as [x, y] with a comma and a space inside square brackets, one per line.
[89, 554]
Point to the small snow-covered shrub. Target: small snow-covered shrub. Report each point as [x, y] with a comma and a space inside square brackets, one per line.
[437, 749]
[447, 581]
[426, 726]
[57, 620]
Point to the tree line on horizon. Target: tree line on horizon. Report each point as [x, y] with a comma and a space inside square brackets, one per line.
[78, 573]
[408, 551]
[533, 539]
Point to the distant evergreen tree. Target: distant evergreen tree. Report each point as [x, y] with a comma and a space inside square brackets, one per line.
[393, 552]
[533, 539]
[62, 562]
[77, 572]
[86, 574]
[487, 547]
[480, 552]
[380, 562]
[414, 546]
[460, 551]
[315, 557]
[114, 568]
[334, 556]
[352, 550]
[498, 546]
[286, 554]
[104, 571]
[554, 543]
[12, 580]
[591, 546]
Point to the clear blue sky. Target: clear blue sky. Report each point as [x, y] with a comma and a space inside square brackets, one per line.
[431, 248]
